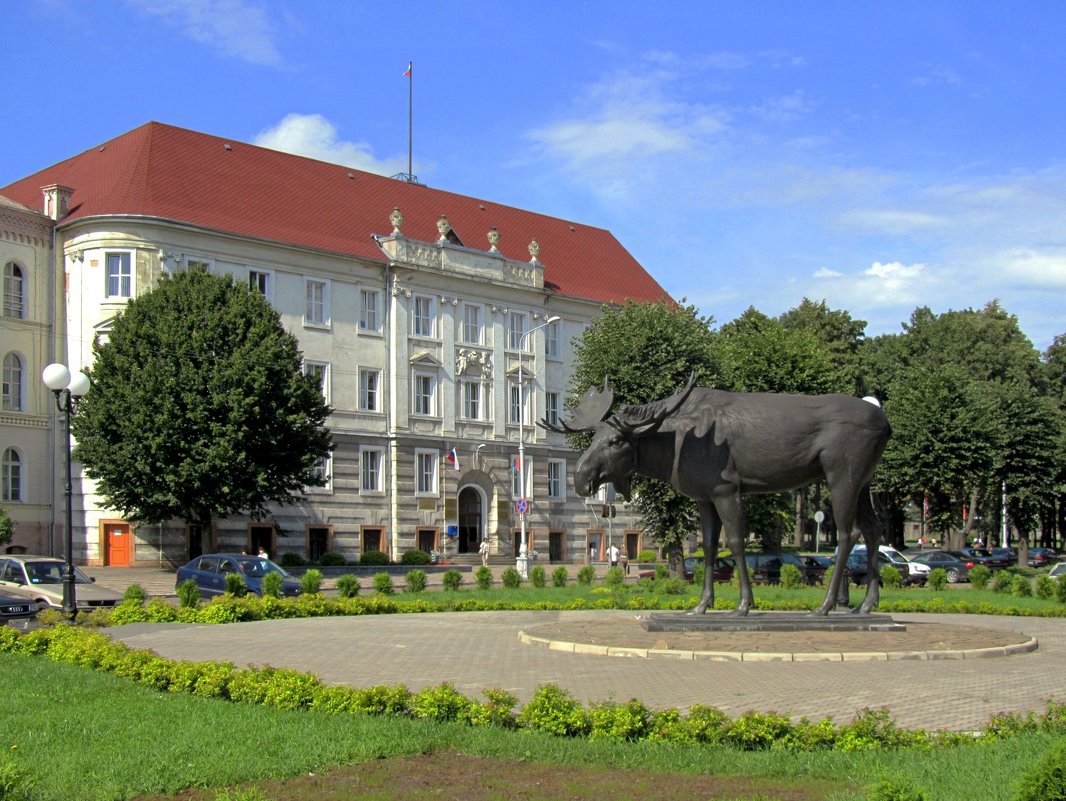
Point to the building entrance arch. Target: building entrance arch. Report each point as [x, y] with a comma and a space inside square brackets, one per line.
[473, 514]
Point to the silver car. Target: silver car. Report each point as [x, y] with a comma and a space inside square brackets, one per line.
[40, 578]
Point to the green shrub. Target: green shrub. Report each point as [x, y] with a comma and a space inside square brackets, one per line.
[374, 558]
[979, 576]
[415, 558]
[555, 711]
[452, 579]
[893, 788]
[347, 586]
[890, 577]
[646, 556]
[441, 703]
[483, 577]
[1002, 581]
[699, 573]
[383, 583]
[1060, 588]
[938, 579]
[560, 576]
[496, 710]
[135, 592]
[586, 575]
[706, 724]
[189, 595]
[159, 610]
[271, 585]
[1045, 587]
[662, 572]
[757, 731]
[128, 612]
[292, 560]
[615, 577]
[1021, 586]
[416, 580]
[792, 577]
[311, 582]
[538, 576]
[621, 722]
[332, 559]
[235, 585]
[380, 700]
[671, 586]
[511, 578]
[1047, 781]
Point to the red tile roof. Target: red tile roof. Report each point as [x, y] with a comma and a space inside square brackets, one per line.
[161, 171]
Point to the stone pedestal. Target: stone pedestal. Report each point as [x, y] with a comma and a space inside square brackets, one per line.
[768, 621]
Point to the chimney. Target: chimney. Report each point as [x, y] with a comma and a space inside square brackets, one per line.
[56, 201]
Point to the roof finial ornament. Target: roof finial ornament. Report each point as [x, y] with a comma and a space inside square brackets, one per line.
[534, 251]
[444, 227]
[396, 218]
[494, 240]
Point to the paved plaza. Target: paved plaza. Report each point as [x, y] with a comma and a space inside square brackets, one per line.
[481, 650]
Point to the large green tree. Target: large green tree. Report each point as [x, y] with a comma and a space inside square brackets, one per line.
[199, 407]
[648, 351]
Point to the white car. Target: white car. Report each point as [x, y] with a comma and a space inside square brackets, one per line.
[1058, 570]
[917, 573]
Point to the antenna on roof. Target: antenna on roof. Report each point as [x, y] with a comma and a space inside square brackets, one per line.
[409, 176]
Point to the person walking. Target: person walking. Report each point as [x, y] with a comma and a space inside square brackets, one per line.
[612, 555]
[484, 551]
[623, 560]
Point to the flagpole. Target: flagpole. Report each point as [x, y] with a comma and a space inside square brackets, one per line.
[410, 122]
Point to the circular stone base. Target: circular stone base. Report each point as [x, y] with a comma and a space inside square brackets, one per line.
[627, 637]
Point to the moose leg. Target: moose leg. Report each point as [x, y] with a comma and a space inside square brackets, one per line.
[844, 505]
[870, 527]
[731, 511]
[711, 528]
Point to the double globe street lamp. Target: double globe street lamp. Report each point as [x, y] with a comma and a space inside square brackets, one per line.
[68, 388]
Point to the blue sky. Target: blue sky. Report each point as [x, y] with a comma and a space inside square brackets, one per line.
[877, 155]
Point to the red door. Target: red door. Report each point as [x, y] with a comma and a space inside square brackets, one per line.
[117, 544]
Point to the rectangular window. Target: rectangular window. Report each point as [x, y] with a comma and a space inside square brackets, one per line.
[14, 287]
[324, 470]
[259, 281]
[557, 479]
[12, 387]
[551, 407]
[316, 311]
[368, 310]
[472, 409]
[320, 371]
[370, 390]
[426, 464]
[11, 476]
[516, 329]
[472, 324]
[119, 275]
[515, 405]
[194, 265]
[318, 538]
[425, 400]
[371, 479]
[551, 340]
[423, 319]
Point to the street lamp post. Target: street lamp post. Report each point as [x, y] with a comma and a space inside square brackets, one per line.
[68, 389]
[524, 555]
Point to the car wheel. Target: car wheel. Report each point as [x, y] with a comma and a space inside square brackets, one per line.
[953, 576]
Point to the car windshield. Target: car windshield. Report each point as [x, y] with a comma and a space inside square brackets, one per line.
[52, 573]
[260, 567]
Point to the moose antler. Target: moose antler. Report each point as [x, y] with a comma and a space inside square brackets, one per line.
[657, 412]
[593, 408]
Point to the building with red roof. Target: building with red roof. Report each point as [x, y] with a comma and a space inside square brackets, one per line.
[429, 317]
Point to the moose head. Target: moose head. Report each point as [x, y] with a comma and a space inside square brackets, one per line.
[613, 455]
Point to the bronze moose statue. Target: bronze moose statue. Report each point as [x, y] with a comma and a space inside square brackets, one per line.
[715, 447]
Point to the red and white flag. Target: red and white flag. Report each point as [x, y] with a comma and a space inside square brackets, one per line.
[453, 458]
[407, 72]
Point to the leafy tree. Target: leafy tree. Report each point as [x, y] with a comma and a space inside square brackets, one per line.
[838, 333]
[648, 351]
[199, 407]
[7, 528]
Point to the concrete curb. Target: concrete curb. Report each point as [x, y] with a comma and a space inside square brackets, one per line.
[767, 656]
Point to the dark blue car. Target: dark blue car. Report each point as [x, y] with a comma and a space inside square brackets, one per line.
[209, 571]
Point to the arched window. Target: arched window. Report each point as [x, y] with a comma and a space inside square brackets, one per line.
[12, 387]
[14, 291]
[11, 476]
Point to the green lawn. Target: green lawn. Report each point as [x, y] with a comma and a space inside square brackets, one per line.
[79, 734]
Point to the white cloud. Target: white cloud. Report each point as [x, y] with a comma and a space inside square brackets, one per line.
[1035, 268]
[825, 272]
[896, 222]
[314, 136]
[234, 28]
[937, 75]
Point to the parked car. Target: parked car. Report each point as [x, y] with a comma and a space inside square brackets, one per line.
[1058, 570]
[1010, 555]
[766, 567]
[16, 607]
[210, 569]
[979, 556]
[40, 578]
[815, 565]
[856, 566]
[1042, 557]
[723, 569]
[956, 568]
[912, 572]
